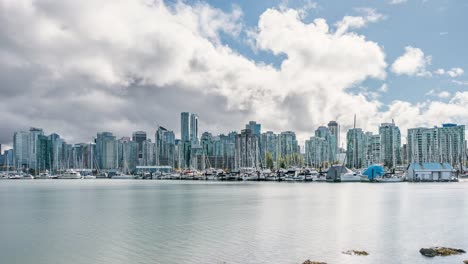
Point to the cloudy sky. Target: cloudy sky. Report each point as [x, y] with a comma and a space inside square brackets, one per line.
[78, 67]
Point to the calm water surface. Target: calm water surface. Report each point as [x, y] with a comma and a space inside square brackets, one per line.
[112, 221]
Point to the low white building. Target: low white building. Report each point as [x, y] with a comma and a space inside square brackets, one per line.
[429, 171]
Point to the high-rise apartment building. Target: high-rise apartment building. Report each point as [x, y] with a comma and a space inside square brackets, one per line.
[355, 150]
[139, 137]
[107, 151]
[390, 145]
[438, 144]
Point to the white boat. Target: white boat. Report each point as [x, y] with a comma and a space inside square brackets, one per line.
[350, 177]
[89, 177]
[70, 174]
[320, 178]
[271, 177]
[44, 175]
[122, 177]
[389, 179]
[248, 174]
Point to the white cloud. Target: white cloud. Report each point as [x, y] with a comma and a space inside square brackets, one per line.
[441, 94]
[384, 88]
[454, 72]
[370, 15]
[439, 71]
[396, 2]
[464, 83]
[413, 63]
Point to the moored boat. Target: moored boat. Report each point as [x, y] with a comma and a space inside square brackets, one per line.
[70, 174]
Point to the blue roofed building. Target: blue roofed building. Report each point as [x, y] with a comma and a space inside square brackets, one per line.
[429, 171]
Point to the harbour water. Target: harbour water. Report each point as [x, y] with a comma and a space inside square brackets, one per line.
[136, 221]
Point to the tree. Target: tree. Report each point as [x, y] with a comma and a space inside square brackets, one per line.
[269, 160]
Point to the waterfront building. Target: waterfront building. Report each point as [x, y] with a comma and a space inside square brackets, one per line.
[429, 171]
[444, 144]
[7, 159]
[320, 150]
[58, 152]
[247, 150]
[149, 152]
[21, 149]
[43, 153]
[316, 152]
[128, 155]
[268, 145]
[288, 149]
[189, 136]
[355, 151]
[372, 151]
[34, 134]
[330, 143]
[335, 131]
[189, 127]
[390, 145]
[165, 146]
[139, 137]
[107, 151]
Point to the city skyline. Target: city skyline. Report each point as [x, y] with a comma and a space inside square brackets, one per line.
[246, 147]
[103, 71]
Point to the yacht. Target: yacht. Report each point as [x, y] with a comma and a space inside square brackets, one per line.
[89, 177]
[70, 174]
[389, 178]
[121, 176]
[249, 174]
[44, 175]
[350, 177]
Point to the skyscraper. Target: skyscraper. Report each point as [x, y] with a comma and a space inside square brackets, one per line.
[189, 127]
[438, 144]
[107, 151]
[21, 149]
[194, 129]
[139, 137]
[165, 146]
[256, 128]
[390, 144]
[185, 126]
[247, 149]
[34, 134]
[372, 151]
[335, 130]
[355, 150]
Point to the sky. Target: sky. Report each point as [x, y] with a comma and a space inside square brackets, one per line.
[81, 67]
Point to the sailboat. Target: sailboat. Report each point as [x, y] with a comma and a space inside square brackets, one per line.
[122, 176]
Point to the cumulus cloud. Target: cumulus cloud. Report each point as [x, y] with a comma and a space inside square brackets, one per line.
[355, 22]
[441, 94]
[413, 63]
[463, 83]
[85, 66]
[454, 72]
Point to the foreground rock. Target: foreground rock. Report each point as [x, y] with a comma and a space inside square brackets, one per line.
[313, 262]
[465, 261]
[440, 251]
[356, 252]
